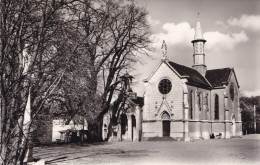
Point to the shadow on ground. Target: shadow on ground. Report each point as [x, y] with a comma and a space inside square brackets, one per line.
[156, 139]
[108, 152]
[65, 153]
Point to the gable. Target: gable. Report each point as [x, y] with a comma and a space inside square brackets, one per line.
[164, 107]
[162, 63]
[232, 78]
[155, 101]
[220, 77]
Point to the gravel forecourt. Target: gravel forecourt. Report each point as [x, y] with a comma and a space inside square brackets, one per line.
[245, 150]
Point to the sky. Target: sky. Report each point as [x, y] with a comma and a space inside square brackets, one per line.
[231, 28]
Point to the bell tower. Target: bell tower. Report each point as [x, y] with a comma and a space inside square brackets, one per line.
[198, 50]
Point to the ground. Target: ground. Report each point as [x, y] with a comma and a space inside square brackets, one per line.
[245, 150]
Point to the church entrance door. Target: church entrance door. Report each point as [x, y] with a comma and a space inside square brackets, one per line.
[166, 123]
[166, 128]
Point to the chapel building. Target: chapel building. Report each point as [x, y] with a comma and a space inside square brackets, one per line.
[184, 102]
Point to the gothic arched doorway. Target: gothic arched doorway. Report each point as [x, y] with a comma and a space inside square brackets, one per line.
[233, 125]
[123, 125]
[133, 127]
[166, 124]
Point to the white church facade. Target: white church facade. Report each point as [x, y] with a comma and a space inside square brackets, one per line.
[184, 102]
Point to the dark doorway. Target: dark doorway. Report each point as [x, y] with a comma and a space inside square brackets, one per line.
[123, 124]
[133, 127]
[166, 128]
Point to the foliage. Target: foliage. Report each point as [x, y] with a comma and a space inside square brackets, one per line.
[29, 34]
[247, 106]
[68, 55]
[108, 37]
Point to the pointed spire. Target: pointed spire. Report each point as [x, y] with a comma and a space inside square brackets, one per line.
[198, 50]
[198, 32]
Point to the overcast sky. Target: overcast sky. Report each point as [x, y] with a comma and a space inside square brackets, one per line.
[231, 28]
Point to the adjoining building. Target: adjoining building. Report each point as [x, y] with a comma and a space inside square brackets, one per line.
[183, 102]
[48, 129]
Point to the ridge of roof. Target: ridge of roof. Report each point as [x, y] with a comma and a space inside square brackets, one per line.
[220, 69]
[212, 79]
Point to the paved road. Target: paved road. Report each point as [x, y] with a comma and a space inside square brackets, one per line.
[245, 150]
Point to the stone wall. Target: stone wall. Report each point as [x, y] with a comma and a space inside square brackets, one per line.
[132, 126]
[233, 106]
[200, 121]
[156, 103]
[200, 103]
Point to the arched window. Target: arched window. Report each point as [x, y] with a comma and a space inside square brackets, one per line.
[206, 104]
[199, 100]
[206, 100]
[133, 121]
[232, 92]
[191, 105]
[216, 107]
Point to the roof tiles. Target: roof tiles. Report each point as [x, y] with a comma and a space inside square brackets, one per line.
[218, 77]
[194, 77]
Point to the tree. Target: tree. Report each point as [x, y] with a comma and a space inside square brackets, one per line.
[110, 36]
[247, 106]
[63, 51]
[130, 37]
[29, 34]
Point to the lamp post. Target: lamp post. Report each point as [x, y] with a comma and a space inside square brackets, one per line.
[254, 119]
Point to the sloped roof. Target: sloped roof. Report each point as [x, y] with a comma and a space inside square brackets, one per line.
[194, 77]
[139, 101]
[218, 77]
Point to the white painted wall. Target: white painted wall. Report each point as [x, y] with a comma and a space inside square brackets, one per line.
[154, 104]
[59, 125]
